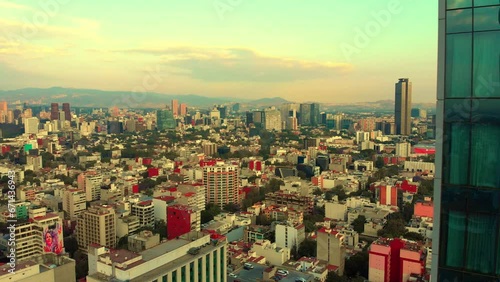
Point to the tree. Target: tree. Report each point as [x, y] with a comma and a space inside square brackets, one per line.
[307, 248]
[379, 163]
[413, 236]
[70, 245]
[359, 224]
[317, 192]
[334, 277]
[231, 207]
[160, 228]
[210, 211]
[122, 243]
[357, 265]
[394, 228]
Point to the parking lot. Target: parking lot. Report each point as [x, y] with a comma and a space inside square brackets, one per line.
[252, 275]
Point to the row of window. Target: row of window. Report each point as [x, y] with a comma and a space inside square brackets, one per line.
[477, 19]
[457, 4]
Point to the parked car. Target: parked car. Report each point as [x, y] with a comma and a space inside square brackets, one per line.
[232, 275]
[248, 266]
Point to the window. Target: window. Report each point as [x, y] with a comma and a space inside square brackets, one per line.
[478, 3]
[458, 65]
[486, 18]
[484, 156]
[486, 71]
[459, 21]
[454, 4]
[456, 154]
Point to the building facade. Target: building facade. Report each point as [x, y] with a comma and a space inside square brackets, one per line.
[466, 239]
[96, 226]
[221, 183]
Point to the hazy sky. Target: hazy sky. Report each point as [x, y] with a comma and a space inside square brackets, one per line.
[331, 51]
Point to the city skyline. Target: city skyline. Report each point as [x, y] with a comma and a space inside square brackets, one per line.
[321, 62]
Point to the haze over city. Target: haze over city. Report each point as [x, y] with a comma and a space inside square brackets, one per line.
[329, 51]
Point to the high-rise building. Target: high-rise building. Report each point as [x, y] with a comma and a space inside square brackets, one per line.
[31, 125]
[54, 111]
[209, 148]
[402, 110]
[3, 106]
[272, 119]
[331, 248]
[466, 238]
[221, 182]
[305, 114]
[96, 225]
[183, 109]
[165, 120]
[289, 235]
[145, 211]
[175, 107]
[403, 149]
[67, 111]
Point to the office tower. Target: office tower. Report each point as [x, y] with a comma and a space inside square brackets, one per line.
[165, 120]
[272, 119]
[183, 109]
[402, 108]
[249, 118]
[221, 182]
[96, 225]
[3, 106]
[287, 109]
[90, 182]
[28, 113]
[54, 111]
[67, 111]
[3, 112]
[305, 114]
[222, 111]
[331, 248]
[175, 107]
[31, 125]
[195, 256]
[62, 117]
[466, 238]
[396, 260]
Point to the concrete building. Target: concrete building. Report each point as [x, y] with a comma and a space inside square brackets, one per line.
[196, 256]
[96, 226]
[143, 241]
[126, 225]
[31, 125]
[90, 182]
[145, 211]
[42, 267]
[415, 166]
[272, 119]
[74, 202]
[331, 248]
[182, 219]
[273, 254]
[209, 148]
[363, 165]
[289, 235]
[403, 149]
[336, 210]
[35, 162]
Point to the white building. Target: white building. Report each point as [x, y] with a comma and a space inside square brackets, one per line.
[336, 210]
[31, 125]
[403, 149]
[273, 254]
[272, 119]
[195, 256]
[289, 235]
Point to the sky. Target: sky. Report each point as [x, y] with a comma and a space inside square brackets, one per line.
[329, 51]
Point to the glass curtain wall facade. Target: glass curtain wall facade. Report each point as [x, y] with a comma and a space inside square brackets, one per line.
[466, 245]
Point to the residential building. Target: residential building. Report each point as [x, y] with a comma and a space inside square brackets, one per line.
[403, 149]
[90, 182]
[34, 161]
[289, 235]
[126, 225]
[195, 256]
[74, 202]
[336, 210]
[96, 226]
[273, 254]
[145, 211]
[222, 184]
[466, 219]
[31, 125]
[54, 111]
[396, 260]
[331, 248]
[403, 106]
[182, 219]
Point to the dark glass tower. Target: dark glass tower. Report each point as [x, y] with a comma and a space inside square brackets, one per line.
[466, 243]
[165, 120]
[54, 111]
[402, 109]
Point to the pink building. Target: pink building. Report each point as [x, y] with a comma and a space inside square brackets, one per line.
[395, 260]
[424, 209]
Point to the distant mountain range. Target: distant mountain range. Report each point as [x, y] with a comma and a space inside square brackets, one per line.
[126, 99]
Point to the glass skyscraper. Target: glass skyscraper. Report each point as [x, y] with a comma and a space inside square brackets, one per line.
[165, 120]
[466, 243]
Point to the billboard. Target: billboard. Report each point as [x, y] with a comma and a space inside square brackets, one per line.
[53, 239]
